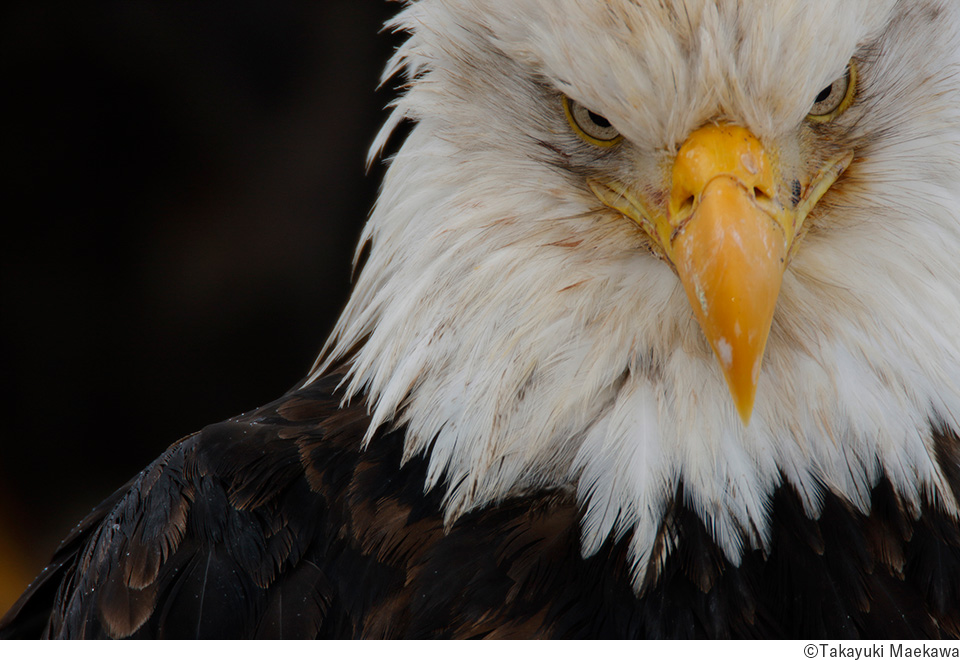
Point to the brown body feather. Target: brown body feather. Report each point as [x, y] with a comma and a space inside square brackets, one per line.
[276, 524]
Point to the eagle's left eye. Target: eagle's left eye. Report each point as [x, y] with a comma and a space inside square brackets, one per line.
[835, 98]
[589, 125]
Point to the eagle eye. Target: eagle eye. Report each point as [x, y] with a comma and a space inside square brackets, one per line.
[836, 97]
[592, 127]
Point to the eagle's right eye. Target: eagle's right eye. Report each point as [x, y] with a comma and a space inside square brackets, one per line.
[592, 127]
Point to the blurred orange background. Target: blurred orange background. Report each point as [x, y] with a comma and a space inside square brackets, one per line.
[187, 185]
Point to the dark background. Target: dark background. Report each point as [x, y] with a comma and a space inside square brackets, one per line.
[184, 187]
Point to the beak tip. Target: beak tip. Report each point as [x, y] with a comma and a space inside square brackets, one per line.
[745, 410]
[743, 389]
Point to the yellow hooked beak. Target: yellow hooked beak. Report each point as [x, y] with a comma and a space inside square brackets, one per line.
[728, 229]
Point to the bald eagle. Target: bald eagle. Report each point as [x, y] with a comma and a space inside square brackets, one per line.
[658, 336]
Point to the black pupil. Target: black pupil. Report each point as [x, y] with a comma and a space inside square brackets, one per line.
[824, 95]
[598, 120]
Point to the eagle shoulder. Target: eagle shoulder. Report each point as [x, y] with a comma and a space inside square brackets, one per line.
[279, 524]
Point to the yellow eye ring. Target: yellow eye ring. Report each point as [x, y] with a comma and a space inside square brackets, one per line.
[590, 126]
[834, 100]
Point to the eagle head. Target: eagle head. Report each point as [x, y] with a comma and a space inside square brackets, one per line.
[635, 249]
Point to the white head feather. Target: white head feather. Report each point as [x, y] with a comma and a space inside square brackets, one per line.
[528, 339]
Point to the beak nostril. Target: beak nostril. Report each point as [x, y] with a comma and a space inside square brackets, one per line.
[686, 206]
[760, 195]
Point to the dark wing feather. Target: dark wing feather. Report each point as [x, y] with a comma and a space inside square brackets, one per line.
[297, 605]
[933, 564]
[195, 545]
[32, 611]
